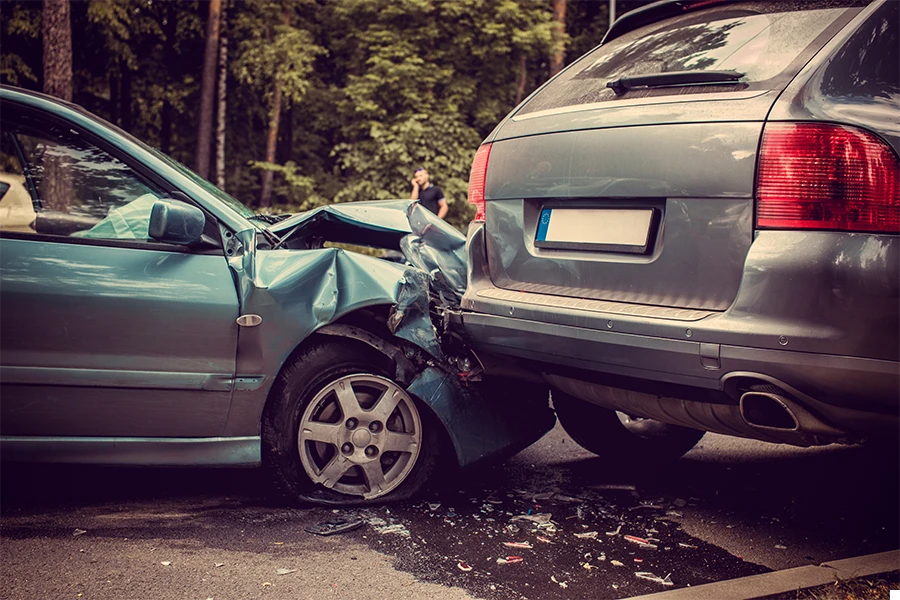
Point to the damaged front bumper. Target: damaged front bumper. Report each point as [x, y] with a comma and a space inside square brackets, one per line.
[317, 291]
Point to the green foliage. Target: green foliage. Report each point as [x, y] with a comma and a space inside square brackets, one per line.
[21, 27]
[372, 88]
[298, 191]
[271, 52]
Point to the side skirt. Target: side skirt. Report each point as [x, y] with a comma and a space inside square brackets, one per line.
[182, 452]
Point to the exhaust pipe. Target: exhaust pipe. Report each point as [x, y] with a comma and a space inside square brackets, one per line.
[768, 411]
[775, 412]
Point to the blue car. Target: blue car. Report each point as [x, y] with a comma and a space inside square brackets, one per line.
[147, 318]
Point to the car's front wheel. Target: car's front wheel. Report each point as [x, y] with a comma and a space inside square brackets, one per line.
[632, 441]
[339, 430]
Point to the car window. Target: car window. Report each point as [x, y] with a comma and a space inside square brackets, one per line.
[760, 40]
[72, 187]
[16, 207]
[869, 63]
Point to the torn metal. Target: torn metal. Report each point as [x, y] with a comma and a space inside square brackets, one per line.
[417, 279]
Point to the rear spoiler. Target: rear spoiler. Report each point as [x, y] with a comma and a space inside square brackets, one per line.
[654, 12]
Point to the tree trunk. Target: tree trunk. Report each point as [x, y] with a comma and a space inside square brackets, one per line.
[125, 97]
[115, 87]
[558, 60]
[207, 90]
[523, 78]
[56, 186]
[57, 32]
[286, 141]
[221, 112]
[170, 29]
[265, 196]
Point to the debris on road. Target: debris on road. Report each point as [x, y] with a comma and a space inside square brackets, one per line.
[589, 535]
[561, 584]
[780, 547]
[545, 539]
[648, 505]
[217, 565]
[509, 560]
[641, 542]
[537, 518]
[334, 526]
[166, 563]
[398, 528]
[464, 566]
[78, 532]
[285, 571]
[617, 563]
[616, 532]
[626, 487]
[651, 577]
[383, 527]
[567, 499]
[434, 506]
[683, 545]
[526, 545]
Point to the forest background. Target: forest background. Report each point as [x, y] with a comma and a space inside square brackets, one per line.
[291, 105]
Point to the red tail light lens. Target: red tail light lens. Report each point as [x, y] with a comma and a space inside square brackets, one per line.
[476, 181]
[823, 176]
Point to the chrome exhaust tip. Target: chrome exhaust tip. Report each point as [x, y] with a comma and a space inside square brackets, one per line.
[765, 410]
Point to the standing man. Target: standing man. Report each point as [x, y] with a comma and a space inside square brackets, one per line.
[429, 195]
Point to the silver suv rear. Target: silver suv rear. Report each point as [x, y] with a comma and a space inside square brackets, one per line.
[696, 226]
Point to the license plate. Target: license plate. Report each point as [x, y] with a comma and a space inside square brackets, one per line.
[608, 229]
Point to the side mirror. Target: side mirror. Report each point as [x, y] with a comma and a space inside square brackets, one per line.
[176, 222]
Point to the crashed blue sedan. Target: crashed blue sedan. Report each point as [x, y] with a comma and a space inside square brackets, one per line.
[150, 319]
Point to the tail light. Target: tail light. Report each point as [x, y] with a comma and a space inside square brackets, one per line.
[476, 181]
[824, 176]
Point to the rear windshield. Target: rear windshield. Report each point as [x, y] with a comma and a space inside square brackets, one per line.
[766, 42]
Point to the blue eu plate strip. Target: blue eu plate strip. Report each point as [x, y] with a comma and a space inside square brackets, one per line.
[543, 224]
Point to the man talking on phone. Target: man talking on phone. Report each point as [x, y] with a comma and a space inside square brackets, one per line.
[429, 195]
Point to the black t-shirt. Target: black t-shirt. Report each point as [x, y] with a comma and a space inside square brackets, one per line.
[430, 197]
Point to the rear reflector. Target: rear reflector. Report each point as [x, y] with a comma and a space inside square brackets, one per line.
[823, 176]
[476, 181]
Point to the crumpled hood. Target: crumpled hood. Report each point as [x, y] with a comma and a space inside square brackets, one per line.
[427, 242]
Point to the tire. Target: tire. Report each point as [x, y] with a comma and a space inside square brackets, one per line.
[338, 430]
[637, 441]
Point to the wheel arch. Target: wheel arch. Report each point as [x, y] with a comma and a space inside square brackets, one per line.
[368, 327]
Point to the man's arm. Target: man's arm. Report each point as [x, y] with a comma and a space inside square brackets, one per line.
[415, 190]
[443, 208]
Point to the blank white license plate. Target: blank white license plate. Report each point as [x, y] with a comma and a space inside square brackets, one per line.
[625, 229]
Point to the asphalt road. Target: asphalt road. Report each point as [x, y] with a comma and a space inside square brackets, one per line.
[730, 508]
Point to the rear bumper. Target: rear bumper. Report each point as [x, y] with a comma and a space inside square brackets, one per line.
[856, 393]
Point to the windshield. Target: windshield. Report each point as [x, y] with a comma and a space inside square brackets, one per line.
[226, 199]
[232, 202]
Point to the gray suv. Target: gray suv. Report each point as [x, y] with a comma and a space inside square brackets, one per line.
[694, 227]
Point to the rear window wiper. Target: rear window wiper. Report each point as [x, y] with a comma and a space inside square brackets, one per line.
[673, 78]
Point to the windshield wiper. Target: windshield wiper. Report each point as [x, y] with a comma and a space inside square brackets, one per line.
[673, 78]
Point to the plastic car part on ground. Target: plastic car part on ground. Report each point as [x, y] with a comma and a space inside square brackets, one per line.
[651, 577]
[334, 526]
[306, 292]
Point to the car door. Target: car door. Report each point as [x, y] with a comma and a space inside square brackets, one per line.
[103, 331]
